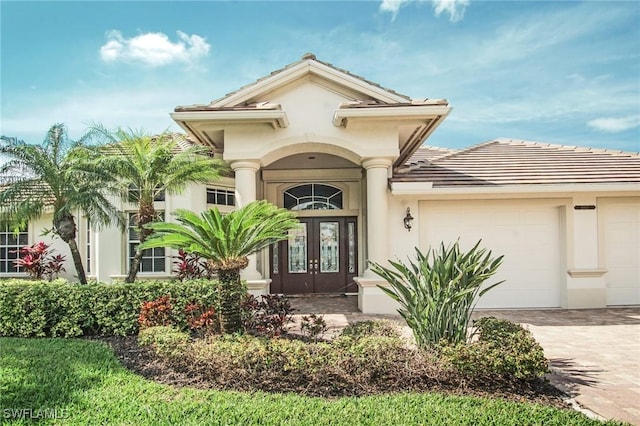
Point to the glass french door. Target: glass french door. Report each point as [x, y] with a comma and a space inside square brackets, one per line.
[319, 256]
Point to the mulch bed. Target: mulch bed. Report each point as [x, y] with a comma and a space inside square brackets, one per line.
[144, 361]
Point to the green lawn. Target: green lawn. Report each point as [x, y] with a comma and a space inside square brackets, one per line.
[85, 384]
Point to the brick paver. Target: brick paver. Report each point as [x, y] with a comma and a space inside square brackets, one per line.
[594, 353]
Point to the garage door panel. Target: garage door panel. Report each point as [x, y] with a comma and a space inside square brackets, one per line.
[528, 237]
[535, 298]
[621, 233]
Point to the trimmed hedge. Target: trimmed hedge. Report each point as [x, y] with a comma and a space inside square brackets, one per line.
[344, 366]
[503, 348]
[62, 309]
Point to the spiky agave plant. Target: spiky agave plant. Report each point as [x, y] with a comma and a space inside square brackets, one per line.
[438, 290]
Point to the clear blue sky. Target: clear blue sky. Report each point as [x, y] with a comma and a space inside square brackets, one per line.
[558, 72]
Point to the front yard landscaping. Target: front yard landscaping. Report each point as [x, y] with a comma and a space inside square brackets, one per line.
[157, 353]
[87, 384]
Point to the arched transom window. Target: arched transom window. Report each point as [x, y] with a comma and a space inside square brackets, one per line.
[313, 196]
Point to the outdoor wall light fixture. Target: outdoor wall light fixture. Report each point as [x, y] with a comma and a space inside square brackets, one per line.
[408, 219]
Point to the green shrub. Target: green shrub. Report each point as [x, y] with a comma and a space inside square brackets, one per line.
[59, 308]
[168, 341]
[438, 291]
[345, 366]
[503, 348]
[382, 328]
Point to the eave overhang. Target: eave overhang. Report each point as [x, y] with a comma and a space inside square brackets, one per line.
[275, 118]
[342, 116]
[426, 189]
[426, 116]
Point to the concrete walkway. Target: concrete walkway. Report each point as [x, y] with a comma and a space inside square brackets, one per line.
[594, 353]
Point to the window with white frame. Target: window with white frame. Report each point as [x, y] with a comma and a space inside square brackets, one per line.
[10, 244]
[153, 260]
[221, 197]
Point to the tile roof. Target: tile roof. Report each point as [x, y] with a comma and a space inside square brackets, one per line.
[515, 162]
[428, 153]
[181, 140]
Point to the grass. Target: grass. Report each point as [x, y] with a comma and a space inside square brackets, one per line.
[86, 384]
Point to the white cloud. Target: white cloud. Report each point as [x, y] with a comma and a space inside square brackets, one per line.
[154, 49]
[392, 6]
[455, 8]
[615, 125]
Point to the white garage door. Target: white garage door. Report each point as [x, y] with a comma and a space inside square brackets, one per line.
[621, 233]
[527, 233]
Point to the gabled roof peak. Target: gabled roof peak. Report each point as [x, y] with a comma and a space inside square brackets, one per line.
[309, 63]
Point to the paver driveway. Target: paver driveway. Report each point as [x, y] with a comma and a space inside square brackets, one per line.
[594, 353]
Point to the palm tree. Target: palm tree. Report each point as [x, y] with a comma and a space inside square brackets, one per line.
[54, 177]
[225, 242]
[145, 167]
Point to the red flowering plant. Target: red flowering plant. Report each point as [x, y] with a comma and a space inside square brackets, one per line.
[156, 312]
[39, 261]
[190, 266]
[202, 320]
[266, 316]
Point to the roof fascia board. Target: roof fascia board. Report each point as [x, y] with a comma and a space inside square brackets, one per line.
[342, 116]
[294, 72]
[277, 118]
[427, 189]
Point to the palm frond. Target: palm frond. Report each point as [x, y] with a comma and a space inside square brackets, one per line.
[219, 237]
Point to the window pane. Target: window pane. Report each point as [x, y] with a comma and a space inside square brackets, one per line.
[329, 238]
[300, 191]
[289, 201]
[298, 249]
[351, 235]
[158, 264]
[146, 265]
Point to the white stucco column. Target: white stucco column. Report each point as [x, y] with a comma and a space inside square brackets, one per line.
[246, 176]
[586, 287]
[377, 211]
[370, 298]
[246, 172]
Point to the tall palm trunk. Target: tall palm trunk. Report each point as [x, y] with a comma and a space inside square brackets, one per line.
[146, 215]
[65, 227]
[231, 293]
[77, 261]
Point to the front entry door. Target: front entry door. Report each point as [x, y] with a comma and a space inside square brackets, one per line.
[318, 257]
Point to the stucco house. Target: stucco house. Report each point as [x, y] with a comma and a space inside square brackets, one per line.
[352, 159]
